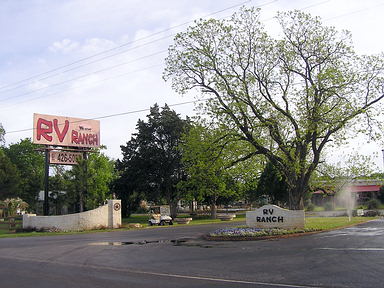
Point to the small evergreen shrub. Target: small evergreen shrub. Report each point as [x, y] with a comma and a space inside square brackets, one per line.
[373, 204]
[328, 206]
[310, 207]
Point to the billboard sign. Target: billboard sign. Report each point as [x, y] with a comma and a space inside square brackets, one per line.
[64, 157]
[65, 131]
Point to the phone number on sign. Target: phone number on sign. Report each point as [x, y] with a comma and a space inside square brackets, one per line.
[65, 157]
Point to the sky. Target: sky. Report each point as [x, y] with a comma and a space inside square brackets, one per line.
[96, 58]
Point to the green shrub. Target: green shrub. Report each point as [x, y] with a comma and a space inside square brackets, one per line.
[310, 207]
[328, 206]
[373, 204]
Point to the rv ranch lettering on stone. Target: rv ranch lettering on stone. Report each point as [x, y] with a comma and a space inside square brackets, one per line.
[272, 216]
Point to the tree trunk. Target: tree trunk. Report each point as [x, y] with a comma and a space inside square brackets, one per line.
[296, 196]
[296, 202]
[81, 202]
[192, 207]
[173, 208]
[213, 209]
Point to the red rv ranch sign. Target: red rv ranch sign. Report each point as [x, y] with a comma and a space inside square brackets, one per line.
[65, 131]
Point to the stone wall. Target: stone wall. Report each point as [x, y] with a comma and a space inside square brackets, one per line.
[106, 216]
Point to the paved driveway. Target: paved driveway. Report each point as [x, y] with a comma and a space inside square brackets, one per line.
[177, 257]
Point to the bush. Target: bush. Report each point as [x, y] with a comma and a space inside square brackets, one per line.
[328, 206]
[310, 207]
[373, 204]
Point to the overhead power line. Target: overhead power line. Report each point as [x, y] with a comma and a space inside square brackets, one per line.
[143, 38]
[82, 86]
[83, 76]
[354, 12]
[17, 83]
[120, 114]
[100, 59]
[88, 63]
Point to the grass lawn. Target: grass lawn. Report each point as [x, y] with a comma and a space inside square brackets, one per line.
[197, 220]
[329, 223]
[311, 224]
[4, 226]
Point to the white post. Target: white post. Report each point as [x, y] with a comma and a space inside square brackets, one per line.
[114, 213]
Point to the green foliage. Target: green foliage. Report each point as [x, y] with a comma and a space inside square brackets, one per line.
[58, 184]
[336, 177]
[101, 173]
[328, 206]
[90, 180]
[205, 165]
[380, 195]
[30, 164]
[2, 133]
[373, 204]
[288, 98]
[77, 185]
[9, 177]
[355, 166]
[125, 188]
[310, 207]
[13, 204]
[151, 164]
[273, 185]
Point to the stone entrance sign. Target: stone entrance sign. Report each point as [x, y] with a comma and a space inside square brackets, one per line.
[272, 216]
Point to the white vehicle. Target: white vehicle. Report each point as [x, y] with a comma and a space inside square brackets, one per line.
[160, 216]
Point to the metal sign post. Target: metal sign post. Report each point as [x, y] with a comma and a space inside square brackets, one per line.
[46, 183]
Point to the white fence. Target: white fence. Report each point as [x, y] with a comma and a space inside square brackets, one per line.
[106, 216]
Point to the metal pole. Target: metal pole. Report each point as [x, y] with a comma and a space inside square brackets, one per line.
[85, 155]
[46, 182]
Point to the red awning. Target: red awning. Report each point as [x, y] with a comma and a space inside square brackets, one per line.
[364, 188]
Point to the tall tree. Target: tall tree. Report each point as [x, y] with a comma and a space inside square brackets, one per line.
[153, 158]
[101, 171]
[288, 98]
[2, 133]
[30, 164]
[336, 177]
[57, 188]
[90, 180]
[273, 185]
[9, 177]
[206, 165]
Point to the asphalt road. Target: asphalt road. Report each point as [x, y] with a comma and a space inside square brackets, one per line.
[177, 257]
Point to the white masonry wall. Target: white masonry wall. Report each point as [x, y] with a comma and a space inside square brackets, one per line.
[106, 216]
[272, 216]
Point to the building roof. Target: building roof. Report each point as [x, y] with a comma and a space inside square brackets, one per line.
[364, 188]
[355, 188]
